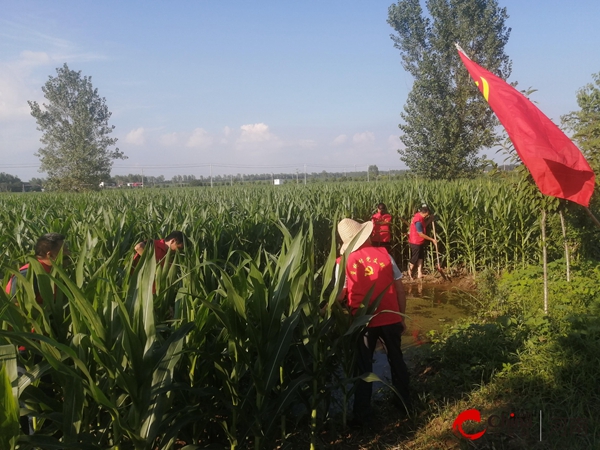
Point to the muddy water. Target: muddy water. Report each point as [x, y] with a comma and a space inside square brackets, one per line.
[431, 307]
[428, 307]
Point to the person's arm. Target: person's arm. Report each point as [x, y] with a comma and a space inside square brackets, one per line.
[344, 291]
[386, 220]
[400, 293]
[401, 297]
[421, 233]
[427, 238]
[139, 248]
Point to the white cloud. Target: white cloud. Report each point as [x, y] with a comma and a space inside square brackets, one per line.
[16, 86]
[13, 95]
[169, 140]
[20, 78]
[255, 133]
[363, 138]
[340, 139]
[136, 137]
[199, 138]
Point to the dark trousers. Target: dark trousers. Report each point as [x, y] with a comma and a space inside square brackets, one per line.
[391, 336]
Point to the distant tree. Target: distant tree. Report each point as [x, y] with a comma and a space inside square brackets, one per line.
[373, 171]
[446, 120]
[10, 183]
[585, 123]
[37, 184]
[74, 123]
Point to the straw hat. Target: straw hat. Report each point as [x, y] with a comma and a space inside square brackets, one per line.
[351, 230]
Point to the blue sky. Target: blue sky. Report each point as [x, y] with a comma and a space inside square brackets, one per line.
[256, 86]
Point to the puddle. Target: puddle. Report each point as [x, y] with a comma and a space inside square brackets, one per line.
[431, 307]
[428, 307]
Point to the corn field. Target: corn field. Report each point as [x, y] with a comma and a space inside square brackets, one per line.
[239, 342]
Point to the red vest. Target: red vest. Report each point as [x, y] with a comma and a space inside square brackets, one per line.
[413, 234]
[11, 286]
[160, 251]
[381, 233]
[370, 266]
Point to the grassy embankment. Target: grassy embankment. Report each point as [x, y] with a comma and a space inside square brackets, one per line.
[510, 359]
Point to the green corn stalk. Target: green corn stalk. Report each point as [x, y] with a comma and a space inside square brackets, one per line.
[9, 413]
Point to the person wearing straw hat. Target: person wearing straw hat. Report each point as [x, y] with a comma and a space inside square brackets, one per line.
[369, 267]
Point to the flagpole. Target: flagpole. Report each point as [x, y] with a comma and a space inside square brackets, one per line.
[545, 261]
[459, 48]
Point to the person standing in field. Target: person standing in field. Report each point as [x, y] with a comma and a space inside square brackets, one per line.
[368, 267]
[47, 248]
[417, 238]
[175, 241]
[382, 225]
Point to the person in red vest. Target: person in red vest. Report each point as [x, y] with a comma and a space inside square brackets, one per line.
[47, 249]
[417, 238]
[368, 266]
[382, 224]
[174, 241]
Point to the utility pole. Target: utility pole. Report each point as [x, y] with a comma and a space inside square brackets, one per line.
[142, 178]
[211, 181]
[305, 174]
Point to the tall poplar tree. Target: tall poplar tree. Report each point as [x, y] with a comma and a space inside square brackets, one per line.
[446, 122]
[75, 131]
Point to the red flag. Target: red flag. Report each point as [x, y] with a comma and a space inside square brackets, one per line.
[556, 164]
